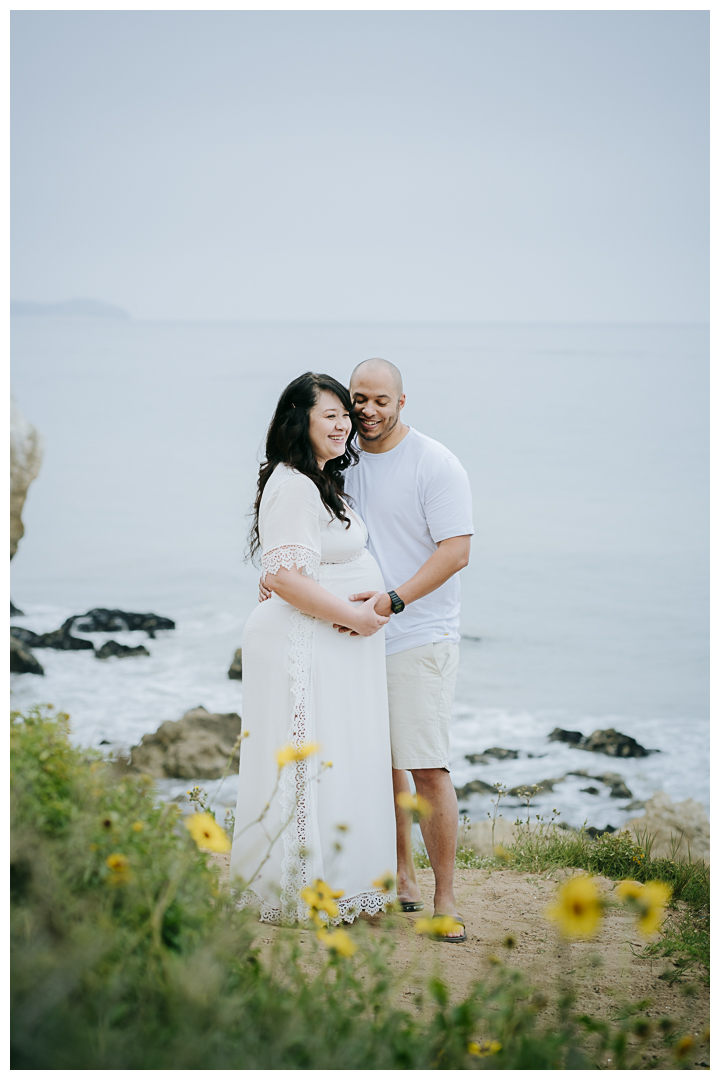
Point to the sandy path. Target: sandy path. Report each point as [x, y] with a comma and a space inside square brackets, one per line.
[495, 903]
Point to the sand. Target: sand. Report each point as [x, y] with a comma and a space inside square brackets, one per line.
[606, 971]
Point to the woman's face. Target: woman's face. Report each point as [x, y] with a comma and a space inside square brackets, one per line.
[330, 427]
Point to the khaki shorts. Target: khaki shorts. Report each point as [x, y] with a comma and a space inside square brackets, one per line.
[421, 687]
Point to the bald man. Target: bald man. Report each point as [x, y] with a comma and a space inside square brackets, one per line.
[414, 497]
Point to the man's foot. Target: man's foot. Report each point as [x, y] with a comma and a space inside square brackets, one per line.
[455, 934]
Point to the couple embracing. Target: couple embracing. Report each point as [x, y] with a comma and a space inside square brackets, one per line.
[360, 548]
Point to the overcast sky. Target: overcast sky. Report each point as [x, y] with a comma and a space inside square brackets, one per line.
[389, 166]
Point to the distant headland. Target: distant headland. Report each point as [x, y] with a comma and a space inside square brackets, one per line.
[92, 308]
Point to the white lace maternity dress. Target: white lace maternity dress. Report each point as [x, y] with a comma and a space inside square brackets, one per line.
[304, 682]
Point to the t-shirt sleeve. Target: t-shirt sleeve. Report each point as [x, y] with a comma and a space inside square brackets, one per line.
[290, 527]
[447, 501]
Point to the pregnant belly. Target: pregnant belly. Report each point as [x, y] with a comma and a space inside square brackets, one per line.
[358, 575]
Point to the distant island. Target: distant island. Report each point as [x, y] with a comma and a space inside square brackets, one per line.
[93, 308]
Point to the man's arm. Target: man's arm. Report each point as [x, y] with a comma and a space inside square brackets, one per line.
[451, 555]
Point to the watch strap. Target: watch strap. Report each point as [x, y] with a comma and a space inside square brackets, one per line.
[396, 604]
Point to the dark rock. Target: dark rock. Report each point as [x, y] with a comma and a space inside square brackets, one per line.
[542, 786]
[572, 737]
[475, 787]
[14, 611]
[235, 671]
[594, 833]
[114, 648]
[614, 744]
[590, 790]
[104, 742]
[607, 741]
[111, 620]
[636, 804]
[613, 780]
[477, 759]
[55, 639]
[470, 637]
[197, 745]
[501, 754]
[22, 660]
[620, 791]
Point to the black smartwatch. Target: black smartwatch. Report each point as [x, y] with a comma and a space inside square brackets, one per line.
[397, 605]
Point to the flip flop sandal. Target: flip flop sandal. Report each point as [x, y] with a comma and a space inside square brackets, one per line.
[411, 905]
[457, 940]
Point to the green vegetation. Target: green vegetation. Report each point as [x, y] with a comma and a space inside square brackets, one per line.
[126, 954]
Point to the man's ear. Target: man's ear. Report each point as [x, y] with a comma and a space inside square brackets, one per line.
[401, 401]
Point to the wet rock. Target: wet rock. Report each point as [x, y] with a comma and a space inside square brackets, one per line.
[613, 780]
[56, 639]
[475, 787]
[620, 790]
[22, 660]
[477, 759]
[542, 786]
[111, 620]
[500, 753]
[574, 738]
[636, 804]
[15, 611]
[197, 745]
[25, 461]
[675, 827]
[607, 741]
[594, 833]
[590, 790]
[114, 648]
[235, 671]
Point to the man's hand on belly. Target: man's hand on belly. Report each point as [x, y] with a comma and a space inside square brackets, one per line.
[383, 607]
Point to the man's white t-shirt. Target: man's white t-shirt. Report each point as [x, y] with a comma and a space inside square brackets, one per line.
[411, 498]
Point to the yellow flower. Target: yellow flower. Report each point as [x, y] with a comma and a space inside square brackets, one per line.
[206, 832]
[485, 1048]
[338, 940]
[118, 863]
[438, 924]
[414, 804]
[683, 1046]
[289, 753]
[320, 897]
[386, 883]
[578, 909]
[649, 902]
[138, 826]
[502, 853]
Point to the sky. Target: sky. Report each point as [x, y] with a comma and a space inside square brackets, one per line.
[486, 166]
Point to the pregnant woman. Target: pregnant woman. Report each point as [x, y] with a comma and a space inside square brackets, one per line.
[303, 683]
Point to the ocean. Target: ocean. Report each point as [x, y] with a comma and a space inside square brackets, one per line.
[585, 604]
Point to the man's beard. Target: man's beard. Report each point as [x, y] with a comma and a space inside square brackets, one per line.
[381, 434]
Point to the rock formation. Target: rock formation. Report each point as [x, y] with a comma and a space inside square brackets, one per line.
[25, 460]
[114, 648]
[110, 620]
[610, 742]
[235, 671]
[22, 660]
[55, 639]
[196, 746]
[674, 826]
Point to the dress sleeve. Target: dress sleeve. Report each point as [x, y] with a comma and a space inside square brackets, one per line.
[290, 527]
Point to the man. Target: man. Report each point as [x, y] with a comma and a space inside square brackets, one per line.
[414, 497]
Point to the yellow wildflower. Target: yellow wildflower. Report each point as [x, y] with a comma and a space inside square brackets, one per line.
[320, 897]
[138, 826]
[386, 883]
[578, 909]
[117, 862]
[485, 1048]
[438, 924]
[414, 804]
[502, 853]
[649, 902]
[683, 1046]
[289, 753]
[339, 941]
[206, 832]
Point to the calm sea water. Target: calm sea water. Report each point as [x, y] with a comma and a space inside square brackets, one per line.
[586, 601]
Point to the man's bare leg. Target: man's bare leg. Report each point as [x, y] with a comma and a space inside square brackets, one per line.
[440, 833]
[407, 886]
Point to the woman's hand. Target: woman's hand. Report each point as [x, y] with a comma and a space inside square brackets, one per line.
[367, 621]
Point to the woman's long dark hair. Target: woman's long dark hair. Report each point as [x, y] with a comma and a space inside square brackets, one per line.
[288, 442]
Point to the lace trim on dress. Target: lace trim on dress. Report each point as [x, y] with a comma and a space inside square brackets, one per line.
[288, 556]
[370, 903]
